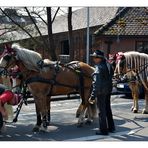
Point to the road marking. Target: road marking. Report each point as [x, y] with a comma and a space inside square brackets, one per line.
[111, 135]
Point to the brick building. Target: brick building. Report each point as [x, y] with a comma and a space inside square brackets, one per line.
[112, 29]
[127, 31]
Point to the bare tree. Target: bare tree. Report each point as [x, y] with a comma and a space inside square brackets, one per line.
[50, 35]
[70, 36]
[20, 26]
[37, 28]
[29, 29]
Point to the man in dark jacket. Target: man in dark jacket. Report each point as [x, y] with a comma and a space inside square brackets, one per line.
[102, 87]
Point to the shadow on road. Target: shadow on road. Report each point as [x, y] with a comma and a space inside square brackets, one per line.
[62, 131]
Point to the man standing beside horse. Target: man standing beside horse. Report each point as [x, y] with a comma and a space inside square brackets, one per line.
[102, 87]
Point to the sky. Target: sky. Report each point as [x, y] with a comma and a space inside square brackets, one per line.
[42, 10]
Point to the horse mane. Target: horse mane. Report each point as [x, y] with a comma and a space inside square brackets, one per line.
[138, 61]
[28, 57]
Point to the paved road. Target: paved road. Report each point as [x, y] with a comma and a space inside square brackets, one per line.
[129, 126]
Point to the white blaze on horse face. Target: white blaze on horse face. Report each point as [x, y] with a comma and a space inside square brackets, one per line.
[3, 62]
[117, 69]
[14, 84]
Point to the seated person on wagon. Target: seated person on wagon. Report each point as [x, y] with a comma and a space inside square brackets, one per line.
[7, 96]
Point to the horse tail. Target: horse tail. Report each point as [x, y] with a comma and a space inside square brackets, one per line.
[81, 80]
[92, 107]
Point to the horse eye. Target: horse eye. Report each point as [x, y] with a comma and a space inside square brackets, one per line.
[7, 57]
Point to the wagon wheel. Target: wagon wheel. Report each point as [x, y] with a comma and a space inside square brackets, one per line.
[1, 120]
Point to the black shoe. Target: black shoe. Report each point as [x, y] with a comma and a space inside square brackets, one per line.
[111, 130]
[101, 133]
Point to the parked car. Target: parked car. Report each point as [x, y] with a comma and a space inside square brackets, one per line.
[123, 88]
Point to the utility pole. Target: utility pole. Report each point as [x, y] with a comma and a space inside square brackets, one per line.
[87, 43]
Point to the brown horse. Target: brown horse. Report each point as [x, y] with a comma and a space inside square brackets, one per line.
[134, 66]
[51, 79]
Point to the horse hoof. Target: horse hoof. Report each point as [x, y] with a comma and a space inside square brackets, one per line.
[36, 129]
[77, 115]
[135, 111]
[86, 116]
[144, 112]
[43, 129]
[88, 122]
[80, 125]
[48, 123]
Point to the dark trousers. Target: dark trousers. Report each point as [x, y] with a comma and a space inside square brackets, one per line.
[106, 122]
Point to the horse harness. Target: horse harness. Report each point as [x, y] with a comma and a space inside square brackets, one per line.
[135, 78]
[72, 66]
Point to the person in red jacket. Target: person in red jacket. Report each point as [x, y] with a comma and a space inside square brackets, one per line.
[7, 96]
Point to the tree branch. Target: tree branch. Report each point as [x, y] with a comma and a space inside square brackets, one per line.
[19, 26]
[39, 17]
[55, 14]
[37, 28]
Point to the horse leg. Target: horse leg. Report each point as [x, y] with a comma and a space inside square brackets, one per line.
[91, 113]
[84, 107]
[39, 121]
[44, 112]
[135, 94]
[145, 110]
[79, 110]
[81, 116]
[135, 98]
[49, 116]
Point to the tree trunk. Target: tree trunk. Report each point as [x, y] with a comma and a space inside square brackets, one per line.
[50, 35]
[70, 36]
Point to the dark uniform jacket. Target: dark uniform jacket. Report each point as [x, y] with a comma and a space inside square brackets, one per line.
[102, 79]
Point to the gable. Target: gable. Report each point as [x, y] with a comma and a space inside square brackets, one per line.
[130, 21]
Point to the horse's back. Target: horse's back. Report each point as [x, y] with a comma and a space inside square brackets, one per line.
[87, 69]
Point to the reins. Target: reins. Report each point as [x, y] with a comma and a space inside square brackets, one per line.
[135, 69]
[138, 73]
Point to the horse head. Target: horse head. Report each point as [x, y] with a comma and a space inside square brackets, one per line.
[8, 58]
[120, 66]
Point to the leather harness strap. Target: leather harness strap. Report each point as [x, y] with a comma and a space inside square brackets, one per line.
[48, 81]
[76, 68]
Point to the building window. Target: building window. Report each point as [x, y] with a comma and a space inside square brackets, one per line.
[142, 46]
[65, 47]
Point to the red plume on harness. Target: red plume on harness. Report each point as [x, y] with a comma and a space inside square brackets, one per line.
[119, 55]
